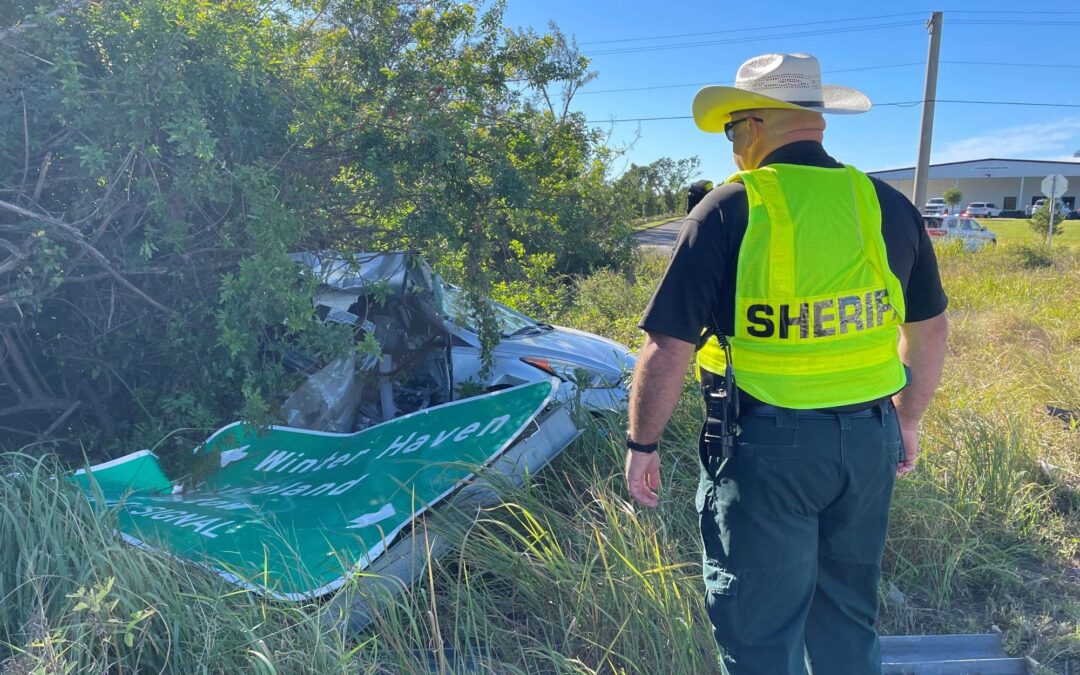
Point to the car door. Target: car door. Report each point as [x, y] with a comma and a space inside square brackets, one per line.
[958, 230]
[970, 232]
[951, 226]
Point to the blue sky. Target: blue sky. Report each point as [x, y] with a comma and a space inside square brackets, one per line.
[975, 35]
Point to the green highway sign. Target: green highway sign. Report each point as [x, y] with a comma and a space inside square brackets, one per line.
[292, 513]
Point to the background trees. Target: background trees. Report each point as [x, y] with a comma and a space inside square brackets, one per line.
[953, 197]
[659, 188]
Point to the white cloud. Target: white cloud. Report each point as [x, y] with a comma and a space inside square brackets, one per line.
[1045, 140]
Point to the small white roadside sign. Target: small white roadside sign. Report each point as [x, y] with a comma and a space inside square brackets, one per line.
[1053, 186]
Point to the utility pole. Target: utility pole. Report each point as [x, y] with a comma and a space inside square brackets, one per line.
[922, 168]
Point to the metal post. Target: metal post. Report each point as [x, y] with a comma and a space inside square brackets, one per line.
[922, 168]
[1050, 220]
[386, 388]
[1020, 201]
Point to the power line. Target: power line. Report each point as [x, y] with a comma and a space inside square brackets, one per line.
[832, 31]
[758, 38]
[1028, 103]
[899, 104]
[973, 20]
[699, 84]
[1026, 65]
[742, 30]
[640, 119]
[1002, 11]
[672, 36]
[825, 72]
[1004, 22]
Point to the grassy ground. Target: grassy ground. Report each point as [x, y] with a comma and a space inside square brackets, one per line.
[656, 222]
[987, 532]
[1017, 231]
[567, 576]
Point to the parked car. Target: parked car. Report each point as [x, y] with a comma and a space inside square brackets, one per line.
[952, 228]
[981, 210]
[430, 349]
[1061, 208]
[935, 207]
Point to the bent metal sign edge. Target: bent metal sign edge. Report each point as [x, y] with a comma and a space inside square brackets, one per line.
[292, 513]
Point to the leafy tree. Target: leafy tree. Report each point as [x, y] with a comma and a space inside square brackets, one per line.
[953, 197]
[658, 188]
[160, 158]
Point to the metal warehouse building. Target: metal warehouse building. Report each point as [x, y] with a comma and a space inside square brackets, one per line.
[1010, 183]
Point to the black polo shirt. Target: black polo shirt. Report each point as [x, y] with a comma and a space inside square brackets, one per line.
[699, 283]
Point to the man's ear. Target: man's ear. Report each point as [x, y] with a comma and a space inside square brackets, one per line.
[756, 131]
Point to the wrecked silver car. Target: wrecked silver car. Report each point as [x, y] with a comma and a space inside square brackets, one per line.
[431, 347]
[394, 304]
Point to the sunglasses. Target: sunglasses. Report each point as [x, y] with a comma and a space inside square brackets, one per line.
[729, 128]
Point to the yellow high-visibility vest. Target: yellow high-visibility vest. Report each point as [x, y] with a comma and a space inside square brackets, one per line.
[817, 309]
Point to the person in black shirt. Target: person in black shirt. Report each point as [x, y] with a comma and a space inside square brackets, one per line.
[700, 279]
[794, 513]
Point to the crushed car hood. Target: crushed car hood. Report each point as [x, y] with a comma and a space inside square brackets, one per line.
[562, 342]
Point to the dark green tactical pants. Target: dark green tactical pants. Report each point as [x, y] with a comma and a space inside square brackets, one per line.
[793, 528]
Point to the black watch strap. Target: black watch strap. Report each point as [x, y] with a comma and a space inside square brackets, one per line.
[642, 447]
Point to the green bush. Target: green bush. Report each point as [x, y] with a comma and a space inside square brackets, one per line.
[160, 158]
[1040, 221]
[953, 197]
[610, 303]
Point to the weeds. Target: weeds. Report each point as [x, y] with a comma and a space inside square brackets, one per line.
[566, 575]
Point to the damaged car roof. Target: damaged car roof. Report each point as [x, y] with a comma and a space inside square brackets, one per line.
[349, 272]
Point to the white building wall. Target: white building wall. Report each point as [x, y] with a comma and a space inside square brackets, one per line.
[990, 189]
[989, 180]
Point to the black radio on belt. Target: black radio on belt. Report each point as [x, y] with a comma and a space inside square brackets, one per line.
[721, 408]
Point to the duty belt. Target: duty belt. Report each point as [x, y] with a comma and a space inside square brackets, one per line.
[749, 405]
[724, 409]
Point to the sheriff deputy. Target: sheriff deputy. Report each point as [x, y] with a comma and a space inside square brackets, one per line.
[814, 295]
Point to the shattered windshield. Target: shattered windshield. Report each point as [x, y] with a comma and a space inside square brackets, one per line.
[511, 322]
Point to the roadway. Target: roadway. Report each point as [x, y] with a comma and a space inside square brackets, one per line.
[661, 236]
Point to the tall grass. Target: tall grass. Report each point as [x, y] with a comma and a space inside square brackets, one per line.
[74, 598]
[987, 532]
[567, 575]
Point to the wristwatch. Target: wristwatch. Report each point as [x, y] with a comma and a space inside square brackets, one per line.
[647, 448]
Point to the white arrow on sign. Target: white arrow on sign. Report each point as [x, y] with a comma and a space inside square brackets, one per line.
[1054, 185]
[234, 455]
[371, 518]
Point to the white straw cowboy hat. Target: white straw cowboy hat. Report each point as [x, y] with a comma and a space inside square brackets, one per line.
[785, 81]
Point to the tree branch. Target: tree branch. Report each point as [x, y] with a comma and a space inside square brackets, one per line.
[59, 11]
[42, 172]
[26, 139]
[60, 420]
[15, 356]
[77, 238]
[36, 405]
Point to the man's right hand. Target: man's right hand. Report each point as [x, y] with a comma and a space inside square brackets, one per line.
[922, 348]
[910, 437]
[658, 382]
[643, 477]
